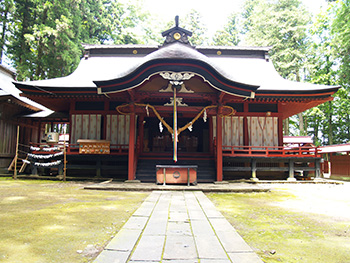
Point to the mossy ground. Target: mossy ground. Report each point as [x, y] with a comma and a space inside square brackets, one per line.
[45, 221]
[279, 235]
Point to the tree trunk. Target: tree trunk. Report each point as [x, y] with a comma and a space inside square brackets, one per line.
[3, 34]
[300, 115]
[301, 124]
[286, 127]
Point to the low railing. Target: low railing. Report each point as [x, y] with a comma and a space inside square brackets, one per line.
[270, 151]
[72, 148]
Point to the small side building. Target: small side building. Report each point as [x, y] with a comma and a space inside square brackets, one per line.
[12, 108]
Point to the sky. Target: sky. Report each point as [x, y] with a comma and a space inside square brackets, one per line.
[215, 12]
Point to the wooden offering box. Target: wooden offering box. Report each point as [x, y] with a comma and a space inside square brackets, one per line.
[176, 174]
[94, 146]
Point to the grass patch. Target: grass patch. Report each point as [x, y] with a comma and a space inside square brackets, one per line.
[44, 221]
[279, 235]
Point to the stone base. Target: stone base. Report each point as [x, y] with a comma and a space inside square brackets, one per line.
[291, 179]
[221, 182]
[254, 179]
[133, 181]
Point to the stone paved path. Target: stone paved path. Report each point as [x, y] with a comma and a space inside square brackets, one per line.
[177, 227]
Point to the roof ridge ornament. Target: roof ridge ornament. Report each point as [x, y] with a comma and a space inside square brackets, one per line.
[177, 34]
[176, 78]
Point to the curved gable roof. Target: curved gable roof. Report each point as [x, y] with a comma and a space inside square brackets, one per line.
[176, 57]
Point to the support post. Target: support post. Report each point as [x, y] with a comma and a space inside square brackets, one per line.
[254, 178]
[64, 158]
[98, 167]
[16, 155]
[280, 131]
[291, 171]
[131, 160]
[245, 131]
[317, 169]
[219, 164]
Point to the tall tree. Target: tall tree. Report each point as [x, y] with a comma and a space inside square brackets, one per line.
[283, 25]
[341, 33]
[193, 22]
[230, 35]
[6, 9]
[322, 64]
[47, 34]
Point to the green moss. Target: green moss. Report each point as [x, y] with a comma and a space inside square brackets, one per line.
[50, 221]
[279, 235]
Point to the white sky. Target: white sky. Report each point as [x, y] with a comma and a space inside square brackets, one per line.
[215, 13]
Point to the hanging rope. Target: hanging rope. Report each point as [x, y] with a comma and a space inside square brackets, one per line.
[171, 131]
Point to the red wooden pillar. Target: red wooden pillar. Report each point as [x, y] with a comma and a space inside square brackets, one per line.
[132, 130]
[280, 130]
[219, 145]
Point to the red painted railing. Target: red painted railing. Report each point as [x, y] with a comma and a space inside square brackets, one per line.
[115, 149]
[270, 151]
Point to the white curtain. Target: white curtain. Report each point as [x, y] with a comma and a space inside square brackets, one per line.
[263, 131]
[232, 131]
[86, 126]
[118, 129]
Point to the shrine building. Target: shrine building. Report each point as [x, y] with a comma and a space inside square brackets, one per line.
[132, 108]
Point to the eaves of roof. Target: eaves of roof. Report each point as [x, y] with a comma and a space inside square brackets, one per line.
[234, 66]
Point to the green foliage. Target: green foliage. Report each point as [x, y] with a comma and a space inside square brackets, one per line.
[46, 36]
[193, 22]
[341, 33]
[282, 25]
[6, 9]
[230, 36]
[328, 65]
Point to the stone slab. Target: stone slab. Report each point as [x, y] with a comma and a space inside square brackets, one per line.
[233, 242]
[125, 240]
[180, 261]
[145, 209]
[213, 213]
[156, 226]
[216, 261]
[202, 228]
[111, 256]
[179, 229]
[209, 247]
[136, 222]
[221, 224]
[180, 247]
[196, 215]
[149, 248]
[249, 257]
[178, 216]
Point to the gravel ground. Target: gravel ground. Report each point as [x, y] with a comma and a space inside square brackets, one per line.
[325, 199]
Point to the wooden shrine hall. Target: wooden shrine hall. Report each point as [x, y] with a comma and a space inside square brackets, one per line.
[131, 108]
